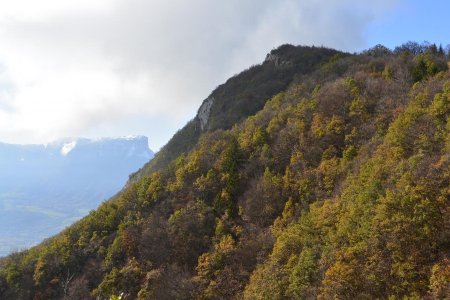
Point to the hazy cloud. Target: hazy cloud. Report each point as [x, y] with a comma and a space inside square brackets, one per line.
[78, 67]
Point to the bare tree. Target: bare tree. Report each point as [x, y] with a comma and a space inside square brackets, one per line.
[66, 282]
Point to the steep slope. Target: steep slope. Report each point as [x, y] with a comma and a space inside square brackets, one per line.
[242, 96]
[344, 172]
[44, 188]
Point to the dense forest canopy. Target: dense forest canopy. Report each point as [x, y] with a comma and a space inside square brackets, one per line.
[319, 174]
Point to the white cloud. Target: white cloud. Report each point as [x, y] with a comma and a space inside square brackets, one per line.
[75, 67]
[26, 10]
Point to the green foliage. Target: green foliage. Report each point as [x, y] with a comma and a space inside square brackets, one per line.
[427, 65]
[440, 280]
[226, 201]
[302, 276]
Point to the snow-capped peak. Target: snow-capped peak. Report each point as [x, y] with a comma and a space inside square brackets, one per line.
[67, 147]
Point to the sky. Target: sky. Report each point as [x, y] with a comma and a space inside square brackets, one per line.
[83, 68]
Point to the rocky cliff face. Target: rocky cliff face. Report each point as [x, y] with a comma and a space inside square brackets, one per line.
[273, 58]
[204, 112]
[277, 60]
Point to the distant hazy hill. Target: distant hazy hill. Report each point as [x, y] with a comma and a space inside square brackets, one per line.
[44, 188]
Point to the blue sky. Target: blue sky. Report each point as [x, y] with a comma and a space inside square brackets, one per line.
[83, 68]
[412, 20]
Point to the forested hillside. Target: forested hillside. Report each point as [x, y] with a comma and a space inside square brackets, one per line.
[317, 174]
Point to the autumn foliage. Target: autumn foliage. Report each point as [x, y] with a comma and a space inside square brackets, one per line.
[336, 187]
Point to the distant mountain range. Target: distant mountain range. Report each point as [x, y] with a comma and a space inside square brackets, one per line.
[44, 188]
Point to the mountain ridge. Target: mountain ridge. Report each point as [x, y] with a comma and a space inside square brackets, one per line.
[344, 170]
